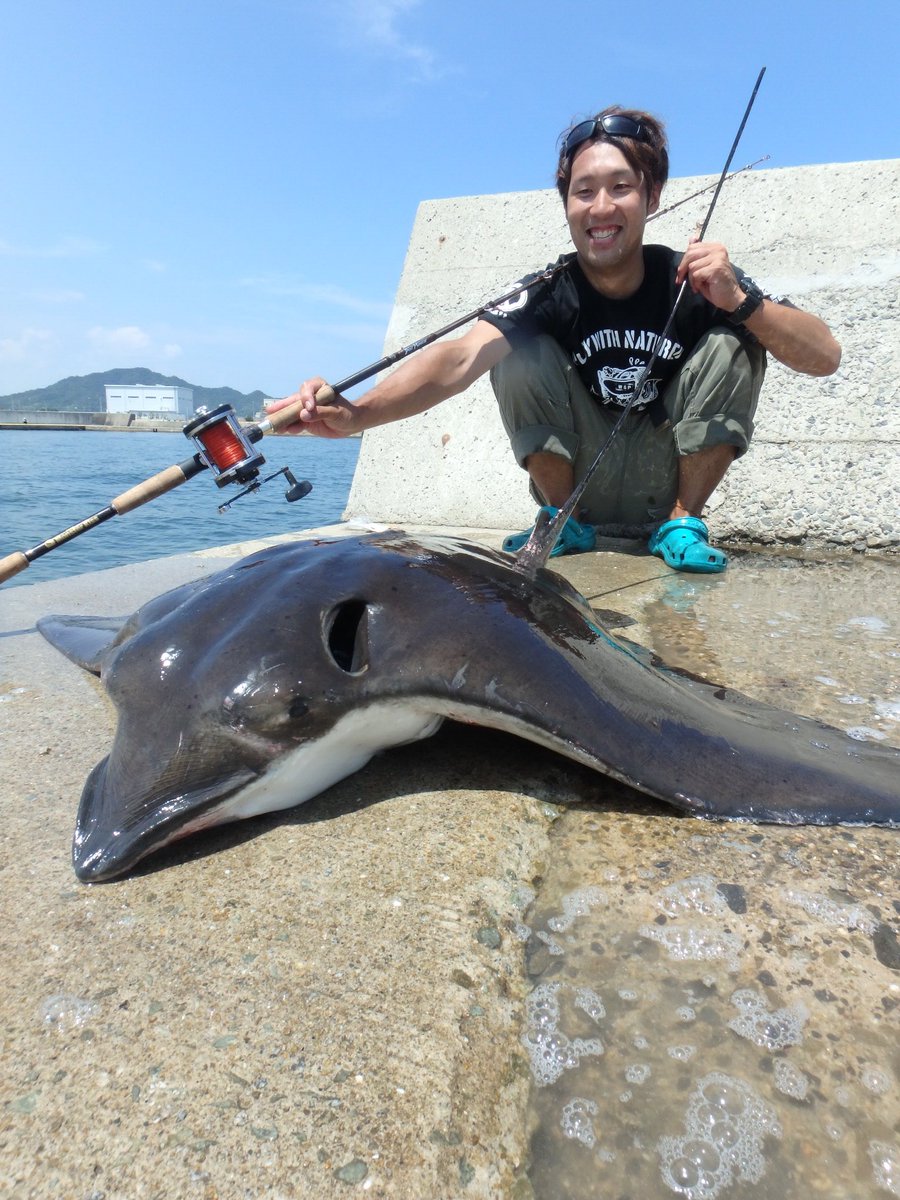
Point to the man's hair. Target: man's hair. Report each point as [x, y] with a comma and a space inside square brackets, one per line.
[649, 159]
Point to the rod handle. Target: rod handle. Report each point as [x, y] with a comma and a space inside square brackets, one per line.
[12, 565]
[156, 485]
[290, 414]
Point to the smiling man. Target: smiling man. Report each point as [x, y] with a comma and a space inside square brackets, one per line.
[566, 354]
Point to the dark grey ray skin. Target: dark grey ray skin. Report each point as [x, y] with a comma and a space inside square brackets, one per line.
[217, 681]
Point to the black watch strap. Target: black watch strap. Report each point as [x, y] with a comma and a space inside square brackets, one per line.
[754, 299]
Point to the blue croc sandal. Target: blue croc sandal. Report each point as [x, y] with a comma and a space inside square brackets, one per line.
[684, 545]
[574, 539]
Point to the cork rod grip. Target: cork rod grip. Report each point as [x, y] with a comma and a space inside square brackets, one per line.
[156, 485]
[12, 565]
[290, 413]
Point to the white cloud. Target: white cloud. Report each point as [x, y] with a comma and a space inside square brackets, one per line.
[350, 332]
[172, 350]
[154, 265]
[18, 349]
[376, 23]
[126, 337]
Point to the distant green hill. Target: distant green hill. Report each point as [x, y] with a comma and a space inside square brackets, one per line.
[84, 393]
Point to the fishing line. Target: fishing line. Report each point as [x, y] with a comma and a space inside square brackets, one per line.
[288, 416]
[223, 447]
[545, 534]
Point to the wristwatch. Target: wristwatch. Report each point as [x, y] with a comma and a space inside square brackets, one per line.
[755, 297]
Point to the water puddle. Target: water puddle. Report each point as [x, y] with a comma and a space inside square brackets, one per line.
[818, 638]
[713, 1008]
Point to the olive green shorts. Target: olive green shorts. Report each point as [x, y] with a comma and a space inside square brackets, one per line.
[546, 408]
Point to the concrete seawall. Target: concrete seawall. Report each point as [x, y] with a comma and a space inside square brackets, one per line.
[822, 468]
[61, 419]
[102, 421]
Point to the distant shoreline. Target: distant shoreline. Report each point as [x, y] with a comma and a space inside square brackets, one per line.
[81, 427]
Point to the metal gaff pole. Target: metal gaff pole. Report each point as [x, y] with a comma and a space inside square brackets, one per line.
[546, 530]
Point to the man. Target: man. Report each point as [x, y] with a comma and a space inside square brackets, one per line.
[565, 355]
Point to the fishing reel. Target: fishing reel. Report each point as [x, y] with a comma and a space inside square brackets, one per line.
[225, 447]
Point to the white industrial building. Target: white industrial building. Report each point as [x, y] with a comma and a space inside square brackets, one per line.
[150, 402]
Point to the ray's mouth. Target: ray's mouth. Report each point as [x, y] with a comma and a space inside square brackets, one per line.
[104, 848]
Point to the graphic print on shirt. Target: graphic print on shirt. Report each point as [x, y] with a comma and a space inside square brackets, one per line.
[512, 303]
[610, 340]
[616, 385]
[615, 376]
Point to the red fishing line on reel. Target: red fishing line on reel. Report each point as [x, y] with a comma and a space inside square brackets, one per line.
[224, 446]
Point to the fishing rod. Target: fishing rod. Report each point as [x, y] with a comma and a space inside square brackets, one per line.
[327, 393]
[547, 529]
[225, 447]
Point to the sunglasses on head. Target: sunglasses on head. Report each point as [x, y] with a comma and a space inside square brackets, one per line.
[614, 124]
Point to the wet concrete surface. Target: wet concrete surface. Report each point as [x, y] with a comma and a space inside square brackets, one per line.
[763, 961]
[755, 965]
[331, 1001]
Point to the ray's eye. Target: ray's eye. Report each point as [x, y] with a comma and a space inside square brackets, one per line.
[347, 636]
[299, 708]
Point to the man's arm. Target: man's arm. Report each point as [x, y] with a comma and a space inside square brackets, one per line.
[796, 338]
[424, 380]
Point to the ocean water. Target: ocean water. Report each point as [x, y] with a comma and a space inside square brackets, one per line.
[53, 479]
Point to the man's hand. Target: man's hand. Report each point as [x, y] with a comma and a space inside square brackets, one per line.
[709, 272]
[434, 374]
[321, 412]
[796, 338]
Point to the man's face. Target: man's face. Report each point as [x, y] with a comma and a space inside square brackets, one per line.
[607, 208]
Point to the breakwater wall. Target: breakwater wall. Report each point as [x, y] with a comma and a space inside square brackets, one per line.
[51, 419]
[62, 420]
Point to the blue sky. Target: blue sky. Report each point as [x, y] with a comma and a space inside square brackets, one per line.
[225, 190]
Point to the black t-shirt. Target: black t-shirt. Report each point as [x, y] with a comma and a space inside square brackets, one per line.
[611, 341]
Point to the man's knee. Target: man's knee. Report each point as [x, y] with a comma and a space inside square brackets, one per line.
[509, 374]
[540, 364]
[713, 400]
[533, 392]
[724, 354]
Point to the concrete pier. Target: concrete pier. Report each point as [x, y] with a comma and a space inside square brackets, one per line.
[329, 1001]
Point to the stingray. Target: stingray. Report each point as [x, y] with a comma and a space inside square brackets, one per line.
[258, 687]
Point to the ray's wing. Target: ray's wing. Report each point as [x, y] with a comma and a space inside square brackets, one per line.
[91, 641]
[84, 640]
